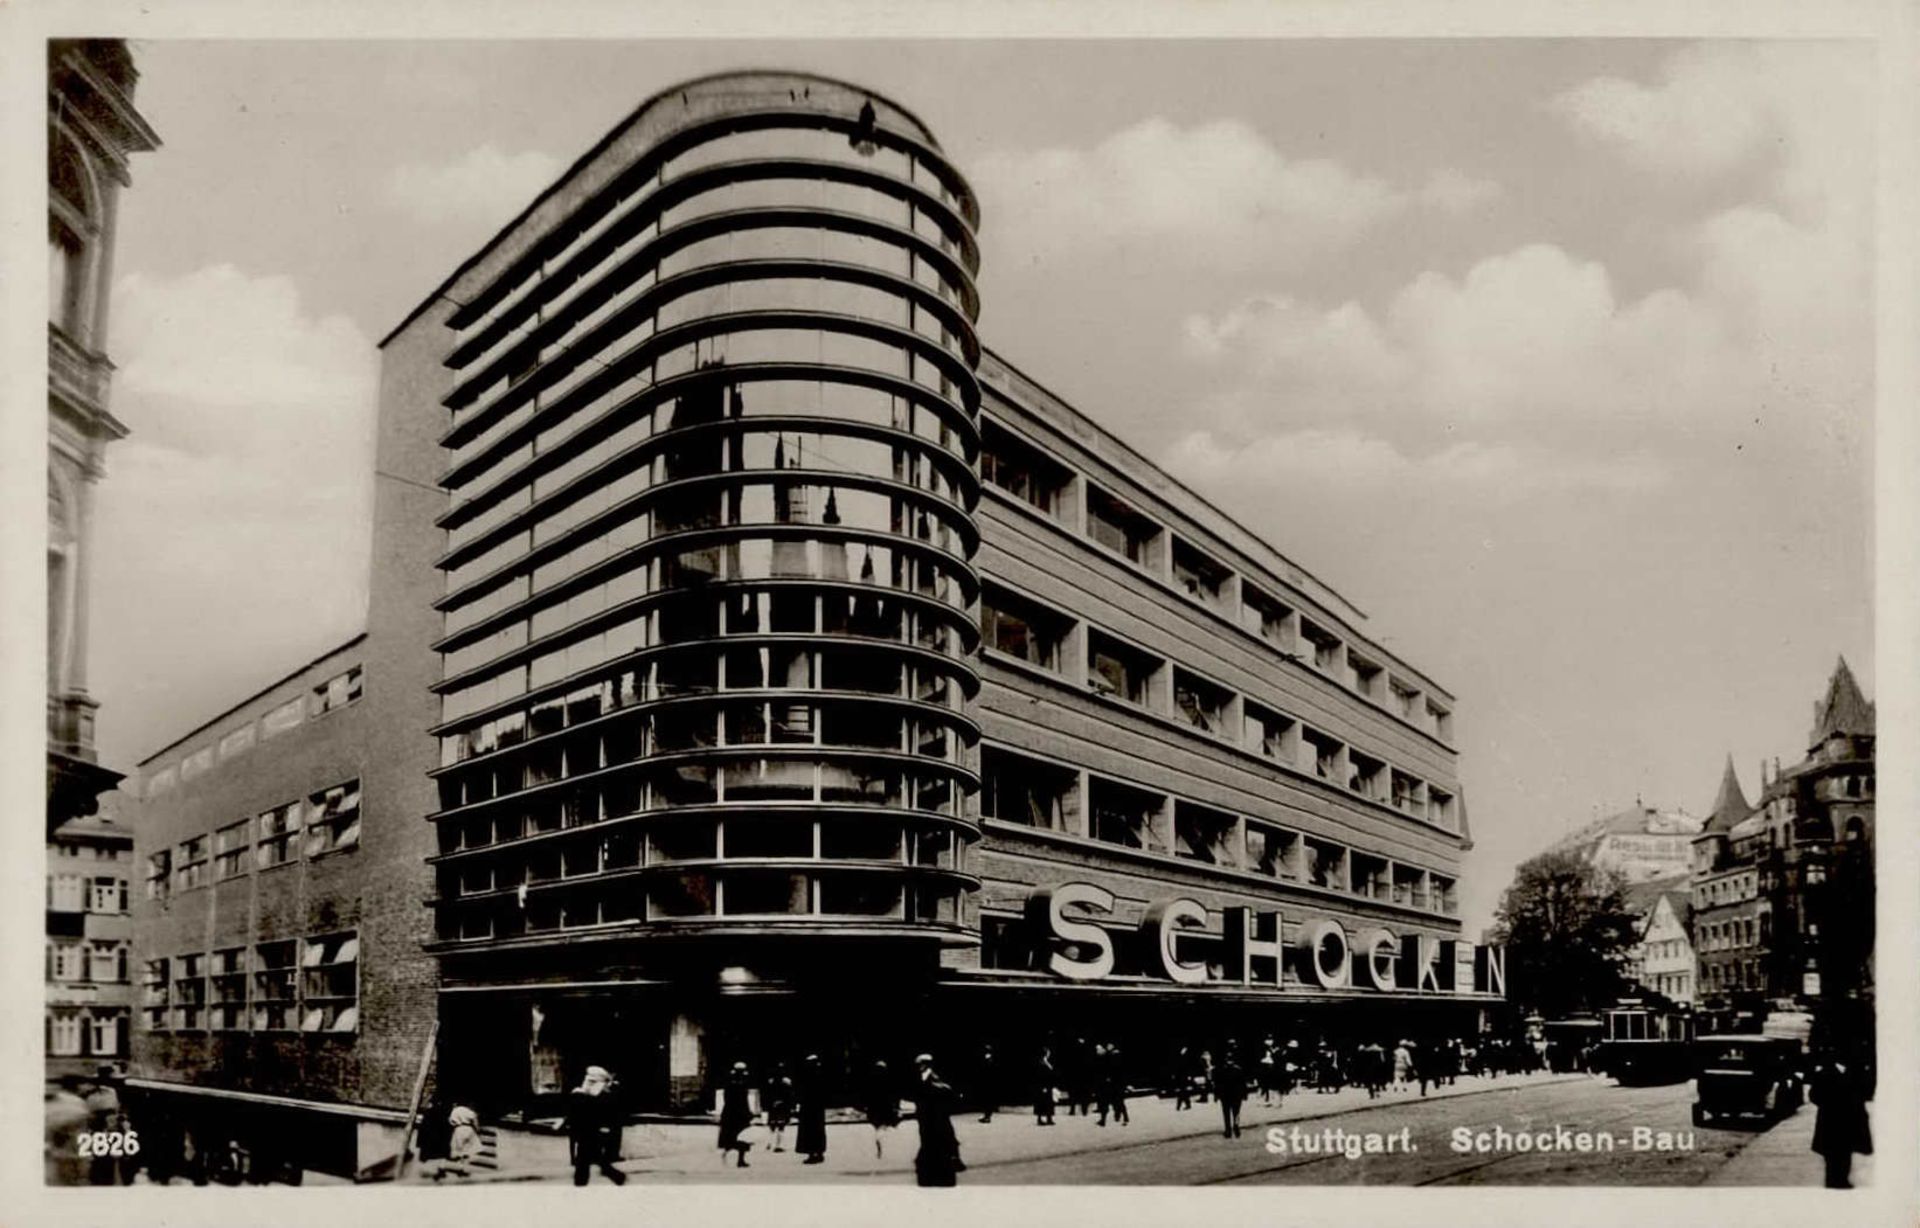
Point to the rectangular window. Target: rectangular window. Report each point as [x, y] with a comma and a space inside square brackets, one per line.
[1200, 703]
[330, 984]
[336, 692]
[1272, 851]
[1403, 699]
[1016, 789]
[109, 895]
[1366, 775]
[283, 718]
[1440, 809]
[196, 763]
[1126, 816]
[231, 844]
[190, 864]
[333, 819]
[66, 961]
[153, 994]
[1021, 470]
[1409, 795]
[230, 989]
[279, 828]
[1199, 576]
[1325, 645]
[274, 986]
[1203, 834]
[1117, 670]
[236, 742]
[106, 962]
[63, 1034]
[159, 874]
[103, 1036]
[1022, 629]
[1327, 754]
[1326, 865]
[67, 893]
[1119, 528]
[189, 993]
[1439, 721]
[1271, 734]
[1370, 877]
[1269, 619]
[1368, 678]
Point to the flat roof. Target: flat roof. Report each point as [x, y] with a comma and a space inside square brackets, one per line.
[230, 709]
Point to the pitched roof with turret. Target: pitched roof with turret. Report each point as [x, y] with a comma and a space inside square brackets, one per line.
[1844, 711]
[1730, 806]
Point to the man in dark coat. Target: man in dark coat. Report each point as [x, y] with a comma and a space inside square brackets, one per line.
[1841, 1091]
[810, 1140]
[938, 1162]
[985, 1092]
[1230, 1088]
[593, 1128]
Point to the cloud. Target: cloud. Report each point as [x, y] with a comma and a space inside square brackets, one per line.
[234, 524]
[483, 188]
[1455, 192]
[1218, 188]
[1803, 109]
[1367, 467]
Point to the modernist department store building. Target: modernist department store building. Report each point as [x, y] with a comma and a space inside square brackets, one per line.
[811, 680]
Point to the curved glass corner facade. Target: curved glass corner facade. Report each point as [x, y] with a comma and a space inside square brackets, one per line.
[712, 458]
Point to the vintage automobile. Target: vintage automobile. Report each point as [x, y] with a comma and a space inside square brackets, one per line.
[1747, 1076]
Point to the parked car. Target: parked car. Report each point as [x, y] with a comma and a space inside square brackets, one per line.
[1747, 1076]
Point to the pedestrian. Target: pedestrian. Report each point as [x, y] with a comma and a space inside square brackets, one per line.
[1043, 1083]
[1116, 1090]
[883, 1106]
[1373, 1068]
[1841, 1127]
[810, 1140]
[1269, 1071]
[1229, 1088]
[1293, 1066]
[777, 1099]
[1203, 1076]
[1402, 1065]
[1079, 1078]
[983, 1088]
[463, 1143]
[1180, 1078]
[938, 1161]
[593, 1127]
[736, 1114]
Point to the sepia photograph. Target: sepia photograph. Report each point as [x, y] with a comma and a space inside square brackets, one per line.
[826, 614]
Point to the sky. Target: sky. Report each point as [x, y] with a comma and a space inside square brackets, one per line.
[1556, 357]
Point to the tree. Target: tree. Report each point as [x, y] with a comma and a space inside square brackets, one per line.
[1567, 930]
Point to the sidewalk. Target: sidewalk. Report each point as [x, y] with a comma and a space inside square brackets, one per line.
[1784, 1155]
[681, 1151]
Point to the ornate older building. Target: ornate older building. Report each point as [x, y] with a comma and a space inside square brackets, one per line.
[1783, 891]
[92, 132]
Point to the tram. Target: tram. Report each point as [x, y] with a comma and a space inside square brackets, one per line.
[1645, 1043]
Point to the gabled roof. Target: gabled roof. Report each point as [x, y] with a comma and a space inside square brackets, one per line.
[1730, 806]
[1844, 711]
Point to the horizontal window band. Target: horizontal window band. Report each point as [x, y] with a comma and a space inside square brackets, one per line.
[955, 826]
[959, 721]
[718, 867]
[959, 568]
[645, 353]
[718, 757]
[970, 633]
[725, 481]
[615, 417]
[649, 166]
[851, 927]
[667, 291]
[712, 225]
